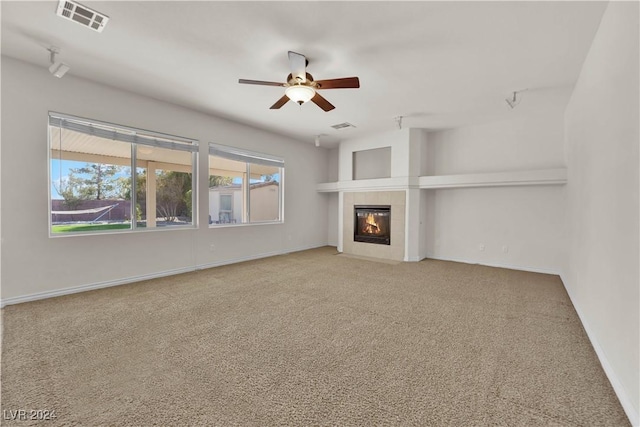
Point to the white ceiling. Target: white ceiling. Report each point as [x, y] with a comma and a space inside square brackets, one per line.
[439, 64]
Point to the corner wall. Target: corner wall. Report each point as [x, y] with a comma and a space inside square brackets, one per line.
[520, 227]
[333, 209]
[602, 133]
[35, 265]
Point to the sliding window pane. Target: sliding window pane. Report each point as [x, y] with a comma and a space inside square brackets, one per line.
[90, 182]
[164, 187]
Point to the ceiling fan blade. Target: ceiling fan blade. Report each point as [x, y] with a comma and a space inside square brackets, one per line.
[279, 103]
[260, 82]
[321, 102]
[345, 83]
[298, 65]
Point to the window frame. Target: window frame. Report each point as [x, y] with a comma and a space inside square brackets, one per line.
[139, 137]
[249, 157]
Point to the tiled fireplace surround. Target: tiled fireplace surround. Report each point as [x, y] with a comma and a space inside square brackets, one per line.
[396, 199]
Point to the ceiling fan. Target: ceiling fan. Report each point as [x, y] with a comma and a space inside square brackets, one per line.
[300, 86]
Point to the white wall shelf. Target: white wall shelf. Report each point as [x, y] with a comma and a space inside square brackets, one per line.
[377, 184]
[497, 179]
[556, 176]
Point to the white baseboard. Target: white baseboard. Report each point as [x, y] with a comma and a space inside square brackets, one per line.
[490, 264]
[109, 283]
[257, 256]
[90, 287]
[619, 389]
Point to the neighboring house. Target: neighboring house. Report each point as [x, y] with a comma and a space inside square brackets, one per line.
[226, 203]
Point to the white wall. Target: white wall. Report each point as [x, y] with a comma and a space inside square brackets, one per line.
[529, 140]
[602, 151]
[332, 198]
[528, 220]
[33, 263]
[333, 210]
[333, 158]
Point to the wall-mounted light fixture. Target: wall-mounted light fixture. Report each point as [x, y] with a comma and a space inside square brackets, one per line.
[57, 68]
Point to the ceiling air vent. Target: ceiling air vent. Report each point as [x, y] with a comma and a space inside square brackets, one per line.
[82, 15]
[344, 125]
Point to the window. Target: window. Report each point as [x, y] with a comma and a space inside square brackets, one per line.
[95, 187]
[244, 187]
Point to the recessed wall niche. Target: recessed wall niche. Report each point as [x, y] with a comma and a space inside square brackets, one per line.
[371, 164]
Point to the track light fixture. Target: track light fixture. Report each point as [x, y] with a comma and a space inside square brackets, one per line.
[515, 99]
[57, 68]
[398, 120]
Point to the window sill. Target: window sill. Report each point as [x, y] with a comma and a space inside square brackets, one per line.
[245, 224]
[123, 231]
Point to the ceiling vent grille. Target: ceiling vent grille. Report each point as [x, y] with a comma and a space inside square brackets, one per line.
[82, 15]
[344, 125]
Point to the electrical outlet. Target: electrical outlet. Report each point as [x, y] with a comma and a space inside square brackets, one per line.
[505, 249]
[481, 247]
[212, 248]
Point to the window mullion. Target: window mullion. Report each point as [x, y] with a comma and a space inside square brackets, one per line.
[134, 188]
[248, 186]
[194, 189]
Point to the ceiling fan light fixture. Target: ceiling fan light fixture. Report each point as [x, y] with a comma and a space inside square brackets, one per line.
[300, 93]
[300, 86]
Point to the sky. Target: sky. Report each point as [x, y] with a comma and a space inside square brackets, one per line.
[60, 172]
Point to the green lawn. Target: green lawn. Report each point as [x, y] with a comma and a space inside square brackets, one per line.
[74, 228]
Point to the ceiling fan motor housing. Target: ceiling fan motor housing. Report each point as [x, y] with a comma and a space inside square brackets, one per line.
[297, 80]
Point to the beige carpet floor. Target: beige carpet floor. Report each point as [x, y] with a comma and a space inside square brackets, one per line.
[310, 338]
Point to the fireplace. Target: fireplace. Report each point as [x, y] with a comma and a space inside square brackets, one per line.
[372, 224]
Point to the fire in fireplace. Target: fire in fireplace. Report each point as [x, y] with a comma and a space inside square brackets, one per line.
[372, 224]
